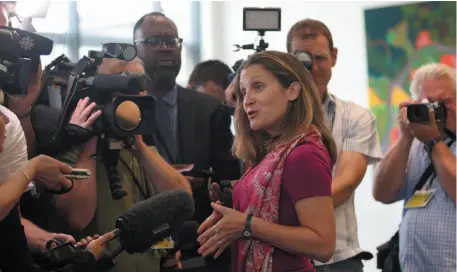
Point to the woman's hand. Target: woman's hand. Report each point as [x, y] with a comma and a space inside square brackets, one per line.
[210, 221]
[217, 238]
[84, 115]
[98, 245]
[49, 172]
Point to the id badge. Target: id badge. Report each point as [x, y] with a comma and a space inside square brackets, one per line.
[162, 248]
[166, 243]
[420, 199]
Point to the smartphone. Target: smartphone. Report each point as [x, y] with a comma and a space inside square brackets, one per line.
[78, 174]
[225, 184]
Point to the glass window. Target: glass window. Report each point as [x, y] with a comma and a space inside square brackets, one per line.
[181, 16]
[112, 19]
[56, 20]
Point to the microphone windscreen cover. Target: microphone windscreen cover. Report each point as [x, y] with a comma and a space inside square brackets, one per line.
[139, 224]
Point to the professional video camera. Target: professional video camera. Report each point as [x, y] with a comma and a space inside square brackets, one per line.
[418, 113]
[123, 116]
[20, 53]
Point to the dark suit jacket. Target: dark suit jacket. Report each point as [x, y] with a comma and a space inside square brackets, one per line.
[205, 140]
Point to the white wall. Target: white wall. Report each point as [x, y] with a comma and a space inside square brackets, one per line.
[222, 27]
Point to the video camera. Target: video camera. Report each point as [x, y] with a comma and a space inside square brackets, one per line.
[20, 53]
[124, 112]
[262, 20]
[418, 113]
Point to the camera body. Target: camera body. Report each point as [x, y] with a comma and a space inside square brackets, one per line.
[20, 53]
[418, 113]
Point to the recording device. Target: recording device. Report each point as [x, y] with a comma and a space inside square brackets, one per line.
[78, 174]
[259, 20]
[188, 245]
[418, 113]
[123, 116]
[20, 53]
[137, 228]
[225, 184]
[305, 58]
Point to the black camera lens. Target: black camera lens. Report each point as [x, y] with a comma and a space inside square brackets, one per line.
[305, 58]
[417, 113]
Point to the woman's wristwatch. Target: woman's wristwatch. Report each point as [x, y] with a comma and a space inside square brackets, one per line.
[247, 232]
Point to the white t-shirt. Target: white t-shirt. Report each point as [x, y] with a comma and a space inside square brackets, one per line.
[14, 155]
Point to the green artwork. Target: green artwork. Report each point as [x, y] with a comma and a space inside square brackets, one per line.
[399, 40]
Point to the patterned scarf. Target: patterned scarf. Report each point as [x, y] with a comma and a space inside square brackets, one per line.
[255, 255]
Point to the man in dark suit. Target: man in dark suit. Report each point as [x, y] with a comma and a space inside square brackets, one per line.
[192, 128]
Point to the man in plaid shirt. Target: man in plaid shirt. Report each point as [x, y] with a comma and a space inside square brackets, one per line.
[356, 137]
[427, 230]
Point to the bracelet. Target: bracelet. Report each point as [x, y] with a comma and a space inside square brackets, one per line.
[26, 114]
[26, 175]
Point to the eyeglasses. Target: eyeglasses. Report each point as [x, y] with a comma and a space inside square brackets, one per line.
[155, 42]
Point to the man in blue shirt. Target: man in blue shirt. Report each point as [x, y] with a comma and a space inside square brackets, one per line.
[428, 228]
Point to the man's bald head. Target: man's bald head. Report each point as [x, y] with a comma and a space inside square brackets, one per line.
[150, 17]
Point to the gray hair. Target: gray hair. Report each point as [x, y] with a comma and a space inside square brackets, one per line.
[430, 71]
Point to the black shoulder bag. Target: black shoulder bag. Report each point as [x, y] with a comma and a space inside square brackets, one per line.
[387, 256]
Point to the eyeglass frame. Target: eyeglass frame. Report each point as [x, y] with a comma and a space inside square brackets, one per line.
[162, 41]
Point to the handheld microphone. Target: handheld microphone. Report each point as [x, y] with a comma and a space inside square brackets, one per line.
[152, 220]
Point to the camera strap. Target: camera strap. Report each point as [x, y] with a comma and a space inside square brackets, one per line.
[430, 170]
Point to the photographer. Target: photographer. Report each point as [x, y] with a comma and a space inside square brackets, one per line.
[427, 231]
[22, 105]
[142, 173]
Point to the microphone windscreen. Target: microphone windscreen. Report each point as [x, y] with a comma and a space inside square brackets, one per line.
[140, 224]
[117, 83]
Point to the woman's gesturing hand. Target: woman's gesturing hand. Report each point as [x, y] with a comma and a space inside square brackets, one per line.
[223, 232]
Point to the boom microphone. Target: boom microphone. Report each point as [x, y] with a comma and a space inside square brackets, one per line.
[17, 42]
[110, 83]
[154, 219]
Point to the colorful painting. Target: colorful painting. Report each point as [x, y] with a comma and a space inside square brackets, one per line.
[399, 40]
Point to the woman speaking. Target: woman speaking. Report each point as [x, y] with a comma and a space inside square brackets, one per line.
[282, 214]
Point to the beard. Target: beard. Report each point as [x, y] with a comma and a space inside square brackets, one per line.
[163, 78]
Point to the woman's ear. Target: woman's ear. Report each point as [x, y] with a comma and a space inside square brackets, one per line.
[293, 91]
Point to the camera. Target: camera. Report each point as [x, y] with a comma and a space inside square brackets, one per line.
[418, 113]
[124, 112]
[305, 58]
[20, 53]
